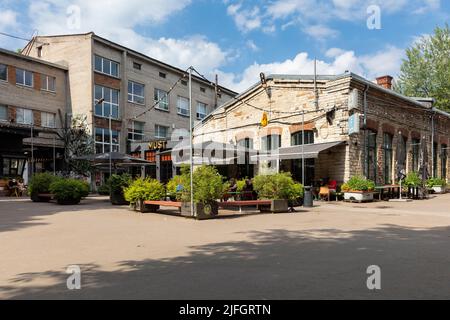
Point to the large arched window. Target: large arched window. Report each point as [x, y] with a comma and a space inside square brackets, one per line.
[271, 142]
[388, 153]
[246, 143]
[297, 138]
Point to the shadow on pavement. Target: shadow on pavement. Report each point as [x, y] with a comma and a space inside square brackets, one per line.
[277, 264]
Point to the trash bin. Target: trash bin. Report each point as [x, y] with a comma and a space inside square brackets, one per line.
[308, 201]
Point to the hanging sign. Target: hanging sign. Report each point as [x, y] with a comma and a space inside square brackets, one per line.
[264, 120]
[354, 124]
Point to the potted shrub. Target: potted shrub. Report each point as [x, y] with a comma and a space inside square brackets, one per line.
[437, 185]
[69, 191]
[208, 187]
[174, 187]
[142, 190]
[104, 190]
[280, 188]
[117, 183]
[39, 187]
[358, 189]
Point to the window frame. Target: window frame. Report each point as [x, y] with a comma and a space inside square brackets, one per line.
[24, 73]
[156, 98]
[309, 136]
[24, 117]
[109, 102]
[133, 133]
[444, 161]
[180, 98]
[157, 136]
[134, 95]
[415, 150]
[111, 62]
[388, 149]
[105, 132]
[6, 109]
[267, 142]
[6, 72]
[44, 124]
[47, 78]
[198, 113]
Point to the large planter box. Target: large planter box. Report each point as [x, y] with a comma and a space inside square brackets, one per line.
[68, 202]
[117, 199]
[358, 196]
[439, 189]
[277, 206]
[201, 211]
[40, 198]
[144, 208]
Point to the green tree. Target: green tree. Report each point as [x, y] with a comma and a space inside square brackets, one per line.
[426, 70]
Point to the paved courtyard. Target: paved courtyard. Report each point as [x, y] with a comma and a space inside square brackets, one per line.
[319, 253]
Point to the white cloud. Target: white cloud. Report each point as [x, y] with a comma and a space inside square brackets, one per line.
[252, 46]
[320, 32]
[386, 61]
[118, 20]
[8, 19]
[245, 20]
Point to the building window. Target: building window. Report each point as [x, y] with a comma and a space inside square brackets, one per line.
[183, 106]
[162, 98]
[403, 143]
[297, 138]
[3, 113]
[110, 106]
[162, 75]
[106, 66]
[47, 120]
[271, 142]
[103, 142]
[246, 143]
[48, 83]
[137, 66]
[136, 92]
[371, 165]
[202, 89]
[24, 116]
[202, 110]
[184, 82]
[161, 132]
[13, 167]
[415, 154]
[39, 51]
[3, 72]
[444, 159]
[24, 78]
[136, 133]
[387, 146]
[435, 160]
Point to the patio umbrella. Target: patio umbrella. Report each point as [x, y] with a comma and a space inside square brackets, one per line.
[115, 157]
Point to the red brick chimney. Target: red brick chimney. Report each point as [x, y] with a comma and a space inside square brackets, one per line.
[385, 82]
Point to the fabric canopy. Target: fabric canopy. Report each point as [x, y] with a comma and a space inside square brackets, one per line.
[309, 151]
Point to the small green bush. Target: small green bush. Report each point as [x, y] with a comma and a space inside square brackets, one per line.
[104, 190]
[358, 183]
[413, 180]
[176, 181]
[240, 185]
[278, 186]
[69, 191]
[40, 183]
[118, 182]
[436, 182]
[208, 186]
[144, 189]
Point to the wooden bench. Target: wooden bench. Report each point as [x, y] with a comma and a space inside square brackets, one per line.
[153, 206]
[249, 203]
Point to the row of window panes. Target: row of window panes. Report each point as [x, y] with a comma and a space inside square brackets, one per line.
[106, 66]
[25, 78]
[136, 133]
[103, 142]
[110, 105]
[25, 116]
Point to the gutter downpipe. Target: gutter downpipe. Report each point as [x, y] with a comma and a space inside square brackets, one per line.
[366, 137]
[433, 151]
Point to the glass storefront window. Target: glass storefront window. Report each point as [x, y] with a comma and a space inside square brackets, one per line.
[388, 153]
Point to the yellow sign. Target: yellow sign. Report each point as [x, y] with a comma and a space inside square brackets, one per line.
[157, 145]
[265, 120]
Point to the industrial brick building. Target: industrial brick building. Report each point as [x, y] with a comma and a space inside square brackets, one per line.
[33, 104]
[349, 126]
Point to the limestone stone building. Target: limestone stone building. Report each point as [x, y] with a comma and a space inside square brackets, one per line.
[33, 103]
[349, 126]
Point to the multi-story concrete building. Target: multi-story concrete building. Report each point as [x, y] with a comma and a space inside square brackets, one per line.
[127, 84]
[33, 103]
[346, 124]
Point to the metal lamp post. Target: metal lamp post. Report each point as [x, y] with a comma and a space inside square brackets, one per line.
[191, 140]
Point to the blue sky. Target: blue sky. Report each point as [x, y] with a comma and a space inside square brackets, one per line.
[238, 39]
